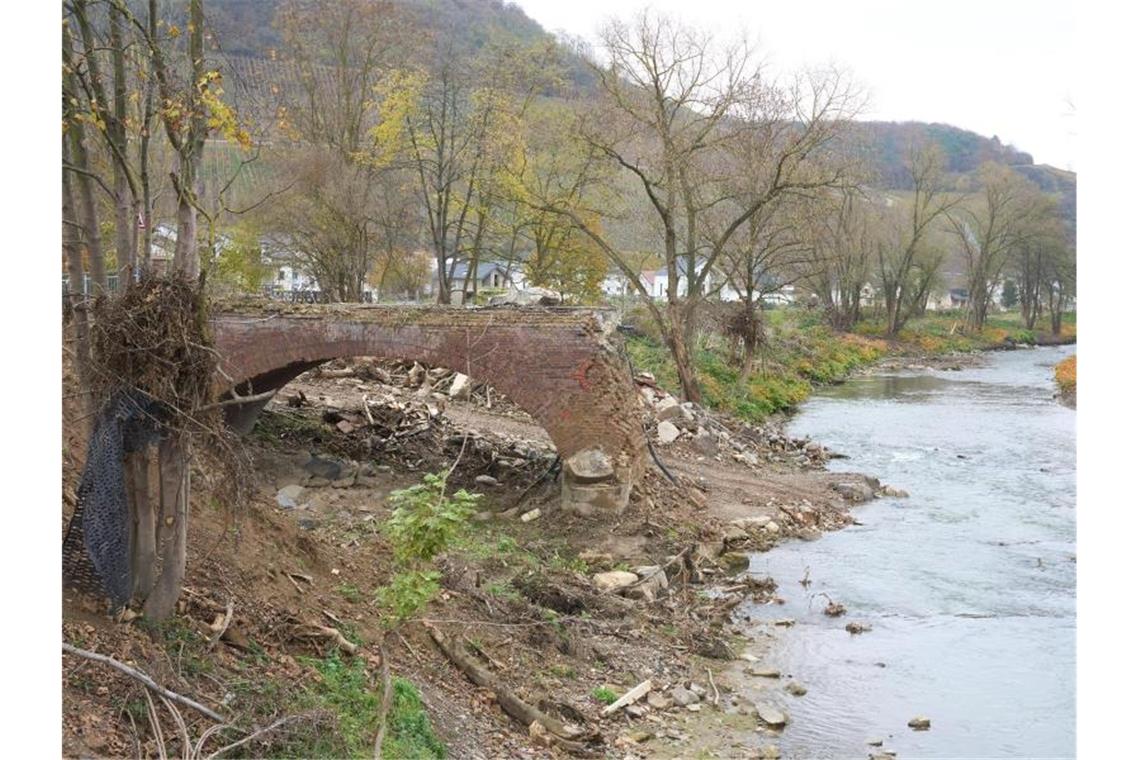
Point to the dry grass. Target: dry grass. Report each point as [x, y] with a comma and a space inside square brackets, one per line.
[1066, 374]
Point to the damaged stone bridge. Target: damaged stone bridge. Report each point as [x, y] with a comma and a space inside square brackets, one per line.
[558, 364]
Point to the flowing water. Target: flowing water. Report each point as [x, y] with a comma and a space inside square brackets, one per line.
[968, 585]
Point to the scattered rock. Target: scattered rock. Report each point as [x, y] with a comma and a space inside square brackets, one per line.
[785, 622]
[637, 737]
[770, 752]
[771, 716]
[653, 582]
[834, 609]
[695, 707]
[460, 387]
[614, 580]
[735, 535]
[748, 457]
[289, 496]
[852, 491]
[747, 657]
[795, 688]
[875, 742]
[328, 469]
[921, 723]
[772, 527]
[534, 514]
[763, 671]
[855, 628]
[895, 493]
[668, 409]
[486, 480]
[734, 562]
[667, 432]
[809, 534]
[706, 443]
[683, 696]
[658, 701]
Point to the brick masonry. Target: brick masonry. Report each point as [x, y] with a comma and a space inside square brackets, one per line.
[560, 365]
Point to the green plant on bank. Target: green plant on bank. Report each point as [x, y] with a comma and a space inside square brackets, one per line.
[604, 695]
[802, 351]
[425, 521]
[406, 594]
[344, 689]
[350, 593]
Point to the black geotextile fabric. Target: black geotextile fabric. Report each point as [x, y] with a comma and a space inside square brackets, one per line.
[96, 549]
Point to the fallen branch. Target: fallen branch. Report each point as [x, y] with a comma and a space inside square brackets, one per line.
[716, 691]
[684, 556]
[318, 631]
[368, 412]
[512, 705]
[631, 696]
[144, 679]
[236, 399]
[483, 653]
[260, 732]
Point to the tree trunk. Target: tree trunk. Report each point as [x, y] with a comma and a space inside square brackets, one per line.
[144, 523]
[174, 491]
[678, 338]
[77, 303]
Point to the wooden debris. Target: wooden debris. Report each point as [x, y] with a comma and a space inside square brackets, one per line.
[631, 696]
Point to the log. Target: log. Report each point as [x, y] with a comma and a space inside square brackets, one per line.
[512, 705]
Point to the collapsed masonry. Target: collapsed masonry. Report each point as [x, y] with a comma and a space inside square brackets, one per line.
[560, 365]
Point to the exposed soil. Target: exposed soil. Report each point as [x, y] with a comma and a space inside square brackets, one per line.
[518, 594]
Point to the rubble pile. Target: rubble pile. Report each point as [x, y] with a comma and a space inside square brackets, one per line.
[394, 413]
[671, 421]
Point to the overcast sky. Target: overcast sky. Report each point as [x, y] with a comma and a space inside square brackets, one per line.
[997, 67]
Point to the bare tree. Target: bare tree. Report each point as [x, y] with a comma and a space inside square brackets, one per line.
[677, 109]
[988, 230]
[907, 227]
[337, 218]
[1030, 261]
[843, 233]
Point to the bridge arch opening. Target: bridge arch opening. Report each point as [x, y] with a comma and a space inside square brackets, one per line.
[558, 365]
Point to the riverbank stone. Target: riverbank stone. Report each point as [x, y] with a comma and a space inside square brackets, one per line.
[614, 580]
[770, 716]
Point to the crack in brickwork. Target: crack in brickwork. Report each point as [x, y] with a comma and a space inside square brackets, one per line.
[558, 364]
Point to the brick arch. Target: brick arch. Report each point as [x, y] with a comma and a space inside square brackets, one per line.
[557, 364]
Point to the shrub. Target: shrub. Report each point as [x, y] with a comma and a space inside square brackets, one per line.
[425, 520]
[604, 695]
[406, 594]
[1066, 374]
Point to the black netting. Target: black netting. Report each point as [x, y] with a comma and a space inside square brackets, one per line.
[96, 549]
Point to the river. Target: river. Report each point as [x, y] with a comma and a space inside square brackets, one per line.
[968, 585]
